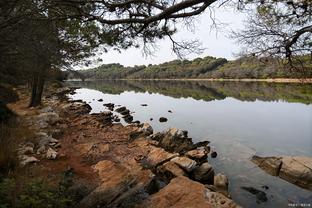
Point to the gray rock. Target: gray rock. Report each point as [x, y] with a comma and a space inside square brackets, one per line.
[204, 173]
[51, 154]
[147, 129]
[221, 183]
[185, 163]
[25, 160]
[174, 140]
[25, 150]
[41, 150]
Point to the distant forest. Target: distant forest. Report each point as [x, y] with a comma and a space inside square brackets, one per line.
[201, 68]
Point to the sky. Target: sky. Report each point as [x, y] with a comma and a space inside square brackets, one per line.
[215, 41]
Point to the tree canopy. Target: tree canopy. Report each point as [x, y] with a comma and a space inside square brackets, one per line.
[277, 28]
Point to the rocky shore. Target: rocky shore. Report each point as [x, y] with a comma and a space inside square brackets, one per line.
[115, 165]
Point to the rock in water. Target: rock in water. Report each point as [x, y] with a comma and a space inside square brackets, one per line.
[174, 140]
[260, 195]
[221, 183]
[163, 119]
[204, 173]
[294, 169]
[51, 154]
[147, 129]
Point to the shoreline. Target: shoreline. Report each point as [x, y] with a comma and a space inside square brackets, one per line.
[117, 163]
[270, 80]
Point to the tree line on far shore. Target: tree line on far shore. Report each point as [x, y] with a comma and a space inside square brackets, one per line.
[201, 68]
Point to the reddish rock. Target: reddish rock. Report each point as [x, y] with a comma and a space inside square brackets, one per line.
[182, 192]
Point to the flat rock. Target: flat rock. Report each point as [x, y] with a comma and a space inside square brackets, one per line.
[297, 170]
[294, 169]
[197, 154]
[157, 156]
[120, 185]
[271, 165]
[185, 163]
[182, 192]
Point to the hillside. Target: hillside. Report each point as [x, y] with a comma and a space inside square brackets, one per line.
[207, 67]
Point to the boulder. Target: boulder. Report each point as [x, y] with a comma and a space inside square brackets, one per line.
[78, 108]
[170, 170]
[51, 154]
[271, 165]
[147, 129]
[163, 119]
[25, 150]
[44, 119]
[120, 109]
[174, 140]
[221, 183]
[297, 170]
[157, 156]
[25, 160]
[204, 173]
[185, 163]
[197, 154]
[294, 169]
[183, 192]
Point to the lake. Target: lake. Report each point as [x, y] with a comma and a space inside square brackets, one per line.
[240, 119]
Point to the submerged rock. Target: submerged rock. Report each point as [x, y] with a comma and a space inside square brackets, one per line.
[260, 195]
[294, 169]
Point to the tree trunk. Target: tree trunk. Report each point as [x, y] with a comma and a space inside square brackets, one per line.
[37, 89]
[34, 90]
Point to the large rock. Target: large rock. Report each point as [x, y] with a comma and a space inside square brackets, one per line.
[271, 165]
[120, 185]
[197, 154]
[185, 163]
[175, 140]
[78, 108]
[204, 173]
[297, 170]
[158, 156]
[170, 170]
[44, 119]
[182, 192]
[221, 183]
[147, 129]
[294, 169]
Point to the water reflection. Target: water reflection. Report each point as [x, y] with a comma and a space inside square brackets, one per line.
[277, 122]
[203, 90]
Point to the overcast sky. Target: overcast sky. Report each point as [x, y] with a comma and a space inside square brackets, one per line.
[216, 42]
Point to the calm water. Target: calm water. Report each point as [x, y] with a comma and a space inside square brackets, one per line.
[239, 118]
